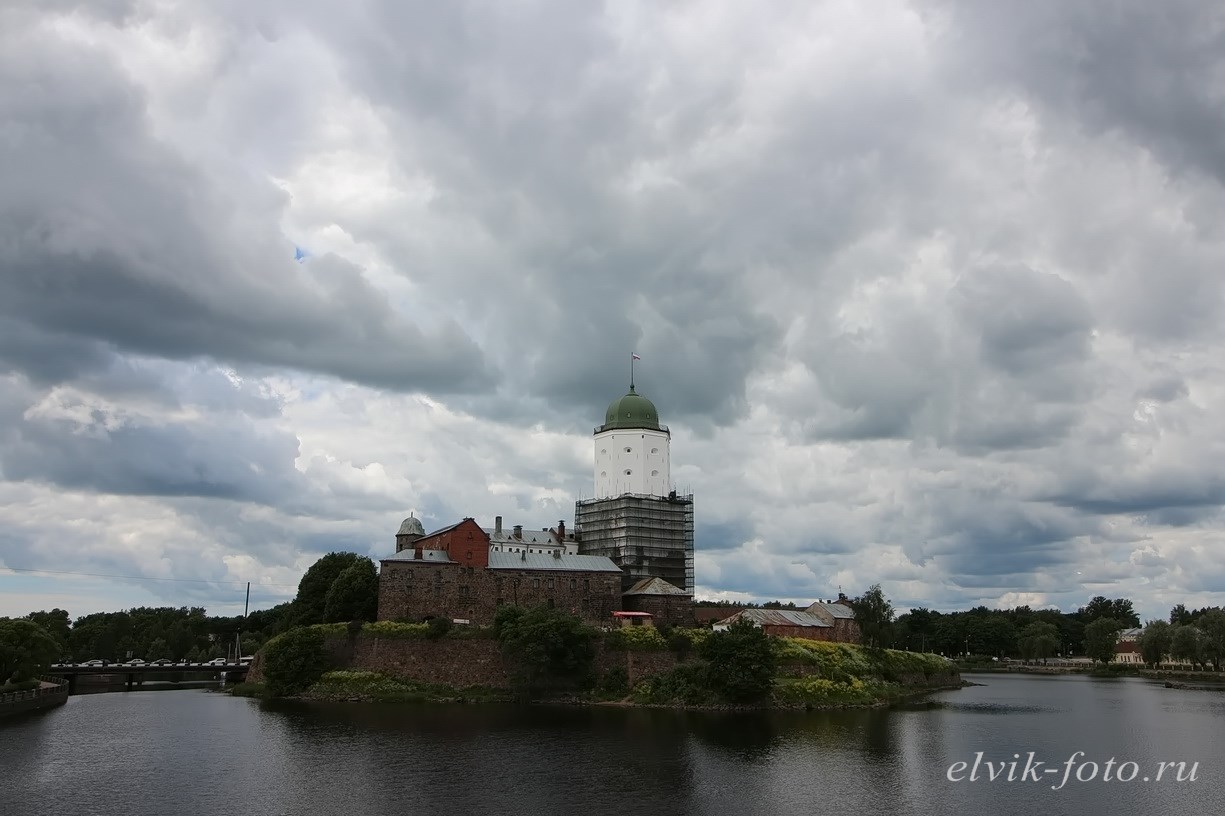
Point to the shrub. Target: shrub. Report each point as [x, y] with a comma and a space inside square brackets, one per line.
[741, 663]
[391, 630]
[615, 682]
[545, 647]
[437, 628]
[635, 639]
[293, 661]
[687, 685]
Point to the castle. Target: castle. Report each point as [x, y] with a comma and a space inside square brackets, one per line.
[631, 549]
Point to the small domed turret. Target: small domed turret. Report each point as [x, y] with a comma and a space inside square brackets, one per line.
[410, 532]
[411, 526]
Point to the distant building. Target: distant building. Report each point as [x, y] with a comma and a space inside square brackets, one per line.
[636, 519]
[1127, 647]
[453, 572]
[781, 623]
[840, 616]
[667, 603]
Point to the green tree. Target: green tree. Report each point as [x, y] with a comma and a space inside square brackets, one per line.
[1179, 616]
[354, 595]
[158, 650]
[1119, 609]
[874, 614]
[26, 650]
[1185, 644]
[1039, 640]
[294, 661]
[310, 604]
[1212, 624]
[57, 624]
[1100, 638]
[1155, 642]
[741, 662]
[545, 647]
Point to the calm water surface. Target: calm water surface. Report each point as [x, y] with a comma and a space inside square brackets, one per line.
[199, 752]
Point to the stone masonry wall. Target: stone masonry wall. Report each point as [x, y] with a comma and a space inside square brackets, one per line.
[419, 590]
[459, 663]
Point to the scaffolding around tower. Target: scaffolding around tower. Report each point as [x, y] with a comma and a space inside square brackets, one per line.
[646, 536]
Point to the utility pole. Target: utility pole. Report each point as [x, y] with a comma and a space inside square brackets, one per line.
[238, 635]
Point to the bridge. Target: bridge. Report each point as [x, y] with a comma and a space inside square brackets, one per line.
[131, 673]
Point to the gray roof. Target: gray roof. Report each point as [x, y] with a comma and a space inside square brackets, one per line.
[544, 561]
[654, 586]
[537, 538]
[432, 556]
[836, 610]
[411, 526]
[778, 617]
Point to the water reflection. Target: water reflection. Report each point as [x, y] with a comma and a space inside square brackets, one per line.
[204, 753]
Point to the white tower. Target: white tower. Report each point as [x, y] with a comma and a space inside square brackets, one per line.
[632, 450]
[635, 518]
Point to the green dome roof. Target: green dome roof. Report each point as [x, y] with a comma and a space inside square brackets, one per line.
[631, 411]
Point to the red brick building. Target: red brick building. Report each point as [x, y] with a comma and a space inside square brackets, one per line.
[839, 615]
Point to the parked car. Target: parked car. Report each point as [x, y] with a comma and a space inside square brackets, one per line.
[217, 661]
[162, 661]
[136, 661]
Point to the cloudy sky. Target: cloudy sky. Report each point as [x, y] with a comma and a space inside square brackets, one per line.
[930, 294]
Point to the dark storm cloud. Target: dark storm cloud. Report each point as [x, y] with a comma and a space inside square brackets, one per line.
[108, 237]
[218, 459]
[1149, 69]
[962, 259]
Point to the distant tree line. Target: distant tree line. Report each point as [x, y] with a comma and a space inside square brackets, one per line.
[339, 587]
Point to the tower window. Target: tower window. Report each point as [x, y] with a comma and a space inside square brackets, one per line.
[628, 472]
[629, 450]
[603, 472]
[654, 450]
[654, 472]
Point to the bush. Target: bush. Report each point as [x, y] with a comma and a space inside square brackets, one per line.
[687, 685]
[293, 661]
[437, 628]
[545, 647]
[390, 630]
[741, 663]
[635, 639]
[615, 683]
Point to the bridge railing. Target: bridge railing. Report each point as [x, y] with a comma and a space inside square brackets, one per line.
[61, 688]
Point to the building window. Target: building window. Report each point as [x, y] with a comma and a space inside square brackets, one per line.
[463, 591]
[408, 590]
[586, 585]
[654, 472]
[573, 583]
[535, 583]
[469, 555]
[629, 450]
[603, 472]
[628, 472]
[550, 583]
[550, 603]
[500, 602]
[654, 450]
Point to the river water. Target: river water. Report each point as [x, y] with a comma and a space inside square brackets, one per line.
[197, 753]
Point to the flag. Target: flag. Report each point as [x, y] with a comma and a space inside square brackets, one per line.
[635, 357]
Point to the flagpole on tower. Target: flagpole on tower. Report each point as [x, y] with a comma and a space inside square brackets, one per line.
[633, 357]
